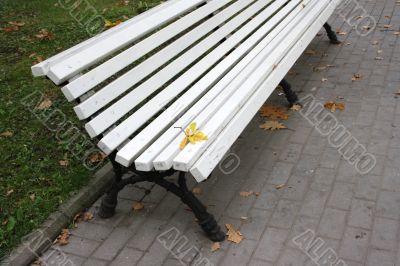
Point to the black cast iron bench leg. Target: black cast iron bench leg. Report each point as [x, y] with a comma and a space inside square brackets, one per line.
[331, 34]
[205, 219]
[291, 96]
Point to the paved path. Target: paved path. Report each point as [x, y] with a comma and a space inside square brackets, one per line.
[357, 216]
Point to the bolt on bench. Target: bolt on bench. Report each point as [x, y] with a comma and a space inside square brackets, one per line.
[211, 62]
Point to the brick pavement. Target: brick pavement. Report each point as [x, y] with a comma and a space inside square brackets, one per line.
[355, 215]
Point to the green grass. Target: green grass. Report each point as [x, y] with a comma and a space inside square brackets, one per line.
[29, 163]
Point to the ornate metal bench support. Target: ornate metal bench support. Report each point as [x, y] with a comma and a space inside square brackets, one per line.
[291, 96]
[331, 34]
[205, 219]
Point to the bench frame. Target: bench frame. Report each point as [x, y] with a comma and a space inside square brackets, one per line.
[180, 189]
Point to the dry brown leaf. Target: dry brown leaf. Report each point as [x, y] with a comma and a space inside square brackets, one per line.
[7, 134]
[37, 261]
[38, 60]
[356, 76]
[16, 23]
[32, 196]
[87, 216]
[62, 239]
[396, 33]
[233, 235]
[197, 190]
[246, 193]
[63, 162]
[379, 58]
[44, 34]
[280, 186]
[272, 125]
[387, 26]
[97, 157]
[215, 246]
[341, 32]
[244, 218]
[4, 222]
[273, 112]
[137, 206]
[310, 52]
[109, 24]
[9, 192]
[296, 107]
[332, 106]
[46, 104]
[397, 93]
[324, 79]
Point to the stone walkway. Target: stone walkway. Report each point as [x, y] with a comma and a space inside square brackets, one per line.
[355, 215]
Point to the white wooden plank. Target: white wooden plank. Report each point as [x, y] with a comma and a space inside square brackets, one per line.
[130, 151]
[102, 72]
[203, 110]
[99, 50]
[124, 105]
[42, 68]
[215, 152]
[126, 81]
[191, 153]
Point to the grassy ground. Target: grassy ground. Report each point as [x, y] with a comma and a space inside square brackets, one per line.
[33, 181]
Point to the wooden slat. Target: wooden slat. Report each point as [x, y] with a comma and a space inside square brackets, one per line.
[131, 124]
[101, 49]
[191, 153]
[130, 151]
[102, 72]
[210, 103]
[126, 81]
[42, 68]
[215, 152]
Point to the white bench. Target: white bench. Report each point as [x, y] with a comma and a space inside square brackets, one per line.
[213, 62]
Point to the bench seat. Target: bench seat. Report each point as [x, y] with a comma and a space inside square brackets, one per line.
[215, 63]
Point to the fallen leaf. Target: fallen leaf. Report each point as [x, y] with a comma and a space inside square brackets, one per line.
[332, 106]
[63, 162]
[9, 192]
[397, 93]
[37, 261]
[97, 157]
[137, 206]
[310, 52]
[379, 58]
[16, 23]
[192, 136]
[7, 134]
[38, 60]
[273, 112]
[87, 216]
[109, 24]
[356, 76]
[324, 79]
[233, 235]
[387, 26]
[244, 218]
[32, 196]
[341, 33]
[10, 28]
[280, 186]
[45, 105]
[197, 190]
[296, 107]
[272, 125]
[246, 193]
[44, 34]
[62, 239]
[396, 33]
[4, 222]
[215, 246]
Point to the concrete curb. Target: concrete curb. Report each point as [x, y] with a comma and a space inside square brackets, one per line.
[41, 239]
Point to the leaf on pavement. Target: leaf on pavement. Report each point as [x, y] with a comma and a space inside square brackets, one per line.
[356, 76]
[215, 246]
[62, 239]
[296, 107]
[137, 206]
[197, 190]
[332, 106]
[233, 235]
[273, 112]
[272, 125]
[97, 157]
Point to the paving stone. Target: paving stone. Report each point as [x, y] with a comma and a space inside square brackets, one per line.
[254, 225]
[295, 188]
[260, 263]
[114, 243]
[91, 231]
[127, 256]
[332, 223]
[95, 262]
[55, 257]
[280, 173]
[324, 176]
[388, 205]
[314, 203]
[239, 254]
[381, 258]
[384, 234]
[146, 234]
[367, 187]
[271, 243]
[80, 246]
[284, 214]
[293, 257]
[341, 196]
[361, 213]
[354, 244]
